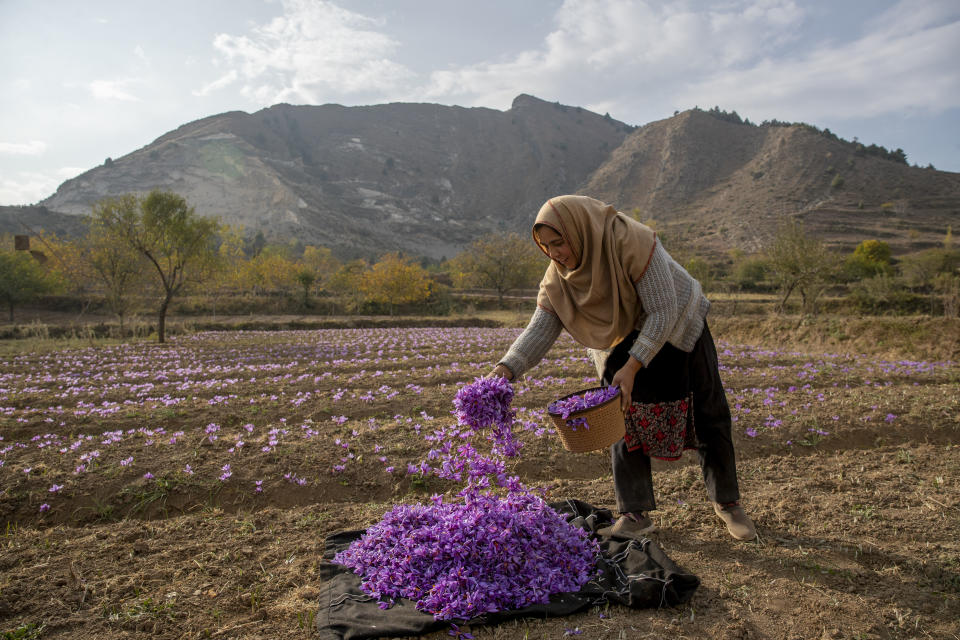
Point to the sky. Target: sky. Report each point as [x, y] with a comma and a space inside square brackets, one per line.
[84, 81]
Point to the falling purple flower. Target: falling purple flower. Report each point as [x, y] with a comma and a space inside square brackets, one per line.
[484, 403]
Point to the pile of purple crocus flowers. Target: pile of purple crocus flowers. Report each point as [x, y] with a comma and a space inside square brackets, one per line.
[565, 407]
[489, 553]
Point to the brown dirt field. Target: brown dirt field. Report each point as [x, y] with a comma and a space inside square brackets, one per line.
[852, 475]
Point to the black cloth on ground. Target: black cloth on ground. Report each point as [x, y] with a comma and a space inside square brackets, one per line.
[630, 573]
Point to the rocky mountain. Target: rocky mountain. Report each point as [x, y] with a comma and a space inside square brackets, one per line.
[428, 179]
[423, 178]
[723, 183]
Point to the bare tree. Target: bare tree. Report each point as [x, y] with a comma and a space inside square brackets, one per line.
[800, 262]
[502, 262]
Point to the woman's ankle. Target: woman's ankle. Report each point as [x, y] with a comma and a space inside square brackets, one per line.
[636, 516]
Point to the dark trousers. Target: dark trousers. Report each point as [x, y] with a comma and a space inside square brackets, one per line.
[673, 374]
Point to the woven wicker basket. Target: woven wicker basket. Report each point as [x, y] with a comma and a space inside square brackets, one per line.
[605, 422]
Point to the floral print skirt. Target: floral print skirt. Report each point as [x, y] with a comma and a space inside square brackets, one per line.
[660, 419]
[662, 430]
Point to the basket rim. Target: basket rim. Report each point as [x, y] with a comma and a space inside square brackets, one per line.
[588, 409]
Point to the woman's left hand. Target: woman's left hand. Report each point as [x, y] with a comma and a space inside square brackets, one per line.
[624, 379]
[501, 371]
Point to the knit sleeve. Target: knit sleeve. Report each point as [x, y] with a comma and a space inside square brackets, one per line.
[658, 296]
[531, 345]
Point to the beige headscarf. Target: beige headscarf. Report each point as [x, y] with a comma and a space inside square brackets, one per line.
[597, 300]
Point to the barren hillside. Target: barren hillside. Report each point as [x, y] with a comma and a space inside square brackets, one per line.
[731, 184]
[428, 179]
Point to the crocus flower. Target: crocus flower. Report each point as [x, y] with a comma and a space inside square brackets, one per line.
[488, 553]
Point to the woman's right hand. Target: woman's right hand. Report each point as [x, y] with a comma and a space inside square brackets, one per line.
[623, 378]
[500, 371]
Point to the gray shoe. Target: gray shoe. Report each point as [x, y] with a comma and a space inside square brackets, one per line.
[631, 526]
[738, 523]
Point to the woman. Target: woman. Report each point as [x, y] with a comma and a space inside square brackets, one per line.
[615, 289]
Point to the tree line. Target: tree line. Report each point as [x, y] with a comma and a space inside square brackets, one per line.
[898, 155]
[155, 248]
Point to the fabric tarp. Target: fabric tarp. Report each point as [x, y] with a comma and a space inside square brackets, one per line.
[629, 572]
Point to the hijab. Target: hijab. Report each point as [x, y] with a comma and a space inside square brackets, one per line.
[596, 300]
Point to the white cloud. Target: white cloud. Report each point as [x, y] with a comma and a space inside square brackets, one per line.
[32, 148]
[141, 54]
[314, 50]
[906, 62]
[647, 58]
[27, 187]
[112, 90]
[227, 79]
[627, 51]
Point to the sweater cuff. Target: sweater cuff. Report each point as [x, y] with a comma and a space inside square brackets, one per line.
[514, 364]
[644, 350]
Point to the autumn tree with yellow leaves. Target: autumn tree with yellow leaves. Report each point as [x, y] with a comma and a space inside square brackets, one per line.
[395, 280]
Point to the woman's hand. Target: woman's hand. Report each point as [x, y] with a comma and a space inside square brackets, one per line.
[624, 379]
[500, 371]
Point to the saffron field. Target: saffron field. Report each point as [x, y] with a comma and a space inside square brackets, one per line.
[185, 489]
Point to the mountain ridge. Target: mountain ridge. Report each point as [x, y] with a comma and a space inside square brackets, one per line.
[397, 176]
[427, 179]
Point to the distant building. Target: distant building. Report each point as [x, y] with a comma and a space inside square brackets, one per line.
[22, 243]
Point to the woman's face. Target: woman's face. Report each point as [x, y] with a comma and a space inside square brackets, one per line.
[556, 247]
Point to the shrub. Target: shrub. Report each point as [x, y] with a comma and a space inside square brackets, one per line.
[870, 258]
[749, 273]
[922, 267]
[947, 286]
[883, 295]
[701, 271]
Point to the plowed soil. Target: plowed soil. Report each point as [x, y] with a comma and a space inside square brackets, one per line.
[130, 509]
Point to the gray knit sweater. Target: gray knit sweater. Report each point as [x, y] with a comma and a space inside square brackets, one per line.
[673, 309]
